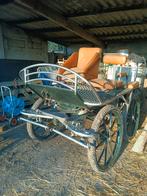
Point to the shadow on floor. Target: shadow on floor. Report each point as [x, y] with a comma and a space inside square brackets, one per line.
[11, 138]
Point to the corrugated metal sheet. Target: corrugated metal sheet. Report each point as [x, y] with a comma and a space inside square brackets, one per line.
[106, 19]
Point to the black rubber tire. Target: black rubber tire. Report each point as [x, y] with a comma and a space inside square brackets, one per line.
[31, 131]
[133, 124]
[92, 149]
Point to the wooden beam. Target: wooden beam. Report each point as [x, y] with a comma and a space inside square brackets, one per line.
[104, 36]
[48, 30]
[43, 10]
[29, 20]
[89, 27]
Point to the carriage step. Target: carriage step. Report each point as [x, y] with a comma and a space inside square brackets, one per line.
[81, 143]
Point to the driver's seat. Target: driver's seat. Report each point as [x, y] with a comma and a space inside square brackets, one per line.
[85, 62]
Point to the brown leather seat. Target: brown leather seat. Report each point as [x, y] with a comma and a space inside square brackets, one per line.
[115, 59]
[84, 62]
[69, 63]
[110, 58]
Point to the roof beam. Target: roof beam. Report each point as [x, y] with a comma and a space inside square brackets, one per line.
[49, 30]
[29, 20]
[48, 13]
[103, 36]
[90, 27]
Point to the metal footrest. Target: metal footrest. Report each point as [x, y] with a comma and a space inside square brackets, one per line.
[81, 143]
[61, 117]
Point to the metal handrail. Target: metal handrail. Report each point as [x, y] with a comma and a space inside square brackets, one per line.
[26, 77]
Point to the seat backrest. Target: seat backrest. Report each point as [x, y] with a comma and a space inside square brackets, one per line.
[113, 72]
[115, 59]
[88, 57]
[69, 63]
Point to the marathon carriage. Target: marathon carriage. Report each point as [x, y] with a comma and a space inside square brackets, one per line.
[74, 103]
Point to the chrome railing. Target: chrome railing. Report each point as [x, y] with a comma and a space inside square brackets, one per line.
[76, 83]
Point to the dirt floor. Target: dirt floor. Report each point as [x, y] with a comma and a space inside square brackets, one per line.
[59, 167]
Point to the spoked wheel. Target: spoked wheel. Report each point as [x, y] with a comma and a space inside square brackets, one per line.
[40, 133]
[133, 117]
[106, 146]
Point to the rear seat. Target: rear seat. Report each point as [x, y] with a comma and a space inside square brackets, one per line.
[118, 82]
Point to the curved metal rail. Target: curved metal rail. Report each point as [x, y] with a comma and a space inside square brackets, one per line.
[79, 85]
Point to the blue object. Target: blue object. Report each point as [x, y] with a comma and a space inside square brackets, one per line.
[45, 82]
[13, 106]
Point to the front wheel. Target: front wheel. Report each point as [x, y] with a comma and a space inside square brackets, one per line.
[39, 133]
[105, 148]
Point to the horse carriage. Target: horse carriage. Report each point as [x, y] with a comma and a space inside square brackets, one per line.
[76, 104]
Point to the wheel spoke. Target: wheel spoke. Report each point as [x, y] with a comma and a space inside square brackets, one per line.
[101, 154]
[112, 124]
[105, 153]
[133, 117]
[110, 148]
[109, 124]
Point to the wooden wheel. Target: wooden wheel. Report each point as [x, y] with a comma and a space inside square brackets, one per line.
[133, 117]
[106, 146]
[37, 132]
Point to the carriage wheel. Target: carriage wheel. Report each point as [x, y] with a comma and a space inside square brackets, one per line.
[133, 117]
[37, 132]
[106, 147]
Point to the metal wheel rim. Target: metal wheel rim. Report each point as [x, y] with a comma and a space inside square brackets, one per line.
[105, 155]
[133, 118]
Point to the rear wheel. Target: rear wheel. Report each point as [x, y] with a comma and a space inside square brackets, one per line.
[133, 117]
[106, 147]
[40, 133]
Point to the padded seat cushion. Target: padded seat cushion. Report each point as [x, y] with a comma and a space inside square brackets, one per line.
[106, 84]
[87, 76]
[70, 75]
[114, 58]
